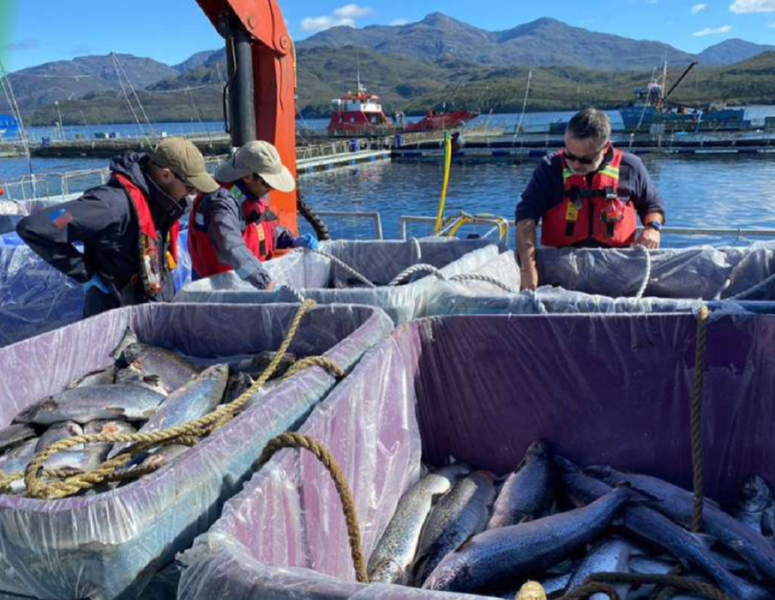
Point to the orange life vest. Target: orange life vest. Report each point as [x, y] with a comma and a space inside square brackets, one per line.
[155, 261]
[590, 212]
[258, 235]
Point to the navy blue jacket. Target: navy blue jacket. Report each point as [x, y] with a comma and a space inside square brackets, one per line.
[104, 223]
[546, 189]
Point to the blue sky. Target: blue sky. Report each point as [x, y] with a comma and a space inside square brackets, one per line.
[37, 31]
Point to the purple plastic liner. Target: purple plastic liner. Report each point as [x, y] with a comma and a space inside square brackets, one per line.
[611, 389]
[109, 545]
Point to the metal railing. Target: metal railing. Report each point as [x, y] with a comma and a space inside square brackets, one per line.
[346, 224]
[493, 225]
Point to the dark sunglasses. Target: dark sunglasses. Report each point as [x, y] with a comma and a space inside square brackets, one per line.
[584, 160]
[189, 188]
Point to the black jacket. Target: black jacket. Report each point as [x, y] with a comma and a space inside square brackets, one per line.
[104, 223]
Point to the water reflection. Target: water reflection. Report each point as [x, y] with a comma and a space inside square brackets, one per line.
[712, 192]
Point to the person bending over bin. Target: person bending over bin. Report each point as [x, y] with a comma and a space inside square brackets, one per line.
[128, 227]
[233, 228]
[589, 195]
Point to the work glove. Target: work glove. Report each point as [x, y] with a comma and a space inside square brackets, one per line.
[306, 241]
[259, 279]
[96, 282]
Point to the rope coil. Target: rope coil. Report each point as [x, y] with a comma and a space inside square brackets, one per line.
[362, 278]
[35, 472]
[414, 269]
[483, 278]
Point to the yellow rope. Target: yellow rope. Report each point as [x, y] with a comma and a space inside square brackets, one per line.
[445, 182]
[34, 473]
[696, 418]
[315, 361]
[297, 440]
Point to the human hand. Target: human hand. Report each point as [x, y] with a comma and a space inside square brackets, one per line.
[529, 277]
[649, 238]
[259, 279]
[96, 282]
[306, 241]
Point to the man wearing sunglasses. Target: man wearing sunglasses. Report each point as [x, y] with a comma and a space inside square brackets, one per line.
[127, 228]
[233, 228]
[589, 194]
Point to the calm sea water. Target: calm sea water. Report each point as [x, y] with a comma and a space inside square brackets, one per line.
[709, 191]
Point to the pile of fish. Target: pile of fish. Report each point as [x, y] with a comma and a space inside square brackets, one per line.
[553, 522]
[147, 388]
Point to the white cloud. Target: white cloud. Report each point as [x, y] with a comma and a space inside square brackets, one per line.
[352, 11]
[399, 22]
[713, 31]
[752, 6]
[342, 16]
[698, 8]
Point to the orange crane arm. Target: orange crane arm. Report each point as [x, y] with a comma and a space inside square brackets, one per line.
[257, 42]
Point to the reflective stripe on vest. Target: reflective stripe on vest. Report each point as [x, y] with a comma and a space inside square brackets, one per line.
[590, 212]
[152, 270]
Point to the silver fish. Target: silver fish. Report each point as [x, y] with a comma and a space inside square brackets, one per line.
[86, 404]
[16, 461]
[99, 377]
[108, 427]
[755, 506]
[133, 374]
[19, 457]
[528, 492]
[657, 529]
[15, 434]
[164, 456]
[518, 551]
[194, 400]
[174, 370]
[611, 556]
[678, 504]
[73, 462]
[398, 545]
[57, 432]
[459, 515]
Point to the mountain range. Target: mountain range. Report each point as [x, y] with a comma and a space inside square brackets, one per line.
[435, 58]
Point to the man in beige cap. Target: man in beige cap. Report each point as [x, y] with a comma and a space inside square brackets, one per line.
[128, 227]
[233, 228]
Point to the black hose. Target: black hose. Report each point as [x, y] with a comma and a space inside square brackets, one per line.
[321, 230]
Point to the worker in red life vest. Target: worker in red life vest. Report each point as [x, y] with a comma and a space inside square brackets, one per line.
[128, 227]
[588, 194]
[233, 227]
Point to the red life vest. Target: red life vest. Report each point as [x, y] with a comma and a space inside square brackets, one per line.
[590, 212]
[258, 235]
[154, 267]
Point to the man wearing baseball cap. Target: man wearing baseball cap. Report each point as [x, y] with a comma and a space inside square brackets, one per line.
[233, 227]
[128, 227]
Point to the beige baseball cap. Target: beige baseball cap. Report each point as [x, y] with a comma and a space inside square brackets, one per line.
[186, 161]
[261, 158]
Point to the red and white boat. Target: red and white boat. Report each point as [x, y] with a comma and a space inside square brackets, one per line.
[438, 121]
[359, 113]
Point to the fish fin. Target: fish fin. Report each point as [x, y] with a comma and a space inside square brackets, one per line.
[413, 574]
[639, 496]
[116, 411]
[466, 542]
